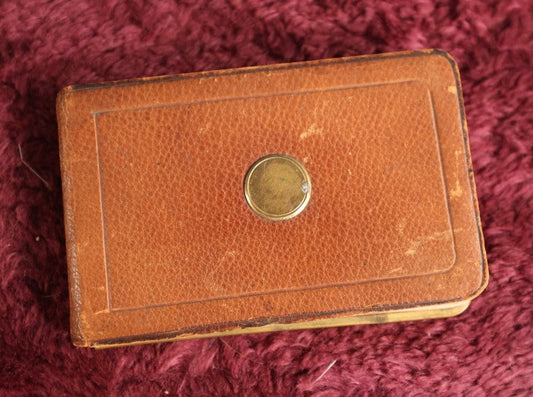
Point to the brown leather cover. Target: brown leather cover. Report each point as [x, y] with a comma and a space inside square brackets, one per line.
[162, 245]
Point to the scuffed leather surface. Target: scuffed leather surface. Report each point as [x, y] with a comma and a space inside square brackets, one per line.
[160, 238]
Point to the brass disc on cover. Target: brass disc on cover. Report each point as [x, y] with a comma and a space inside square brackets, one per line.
[277, 187]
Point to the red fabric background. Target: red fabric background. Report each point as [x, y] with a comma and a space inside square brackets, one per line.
[45, 45]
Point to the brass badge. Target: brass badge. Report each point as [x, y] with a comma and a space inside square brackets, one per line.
[277, 187]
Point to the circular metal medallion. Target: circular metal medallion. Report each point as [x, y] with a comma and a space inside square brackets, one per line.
[277, 187]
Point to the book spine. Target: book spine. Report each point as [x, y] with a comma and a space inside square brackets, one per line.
[76, 328]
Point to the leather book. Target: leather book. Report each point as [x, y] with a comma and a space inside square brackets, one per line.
[301, 195]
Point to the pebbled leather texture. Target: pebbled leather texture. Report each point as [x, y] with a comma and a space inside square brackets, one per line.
[161, 242]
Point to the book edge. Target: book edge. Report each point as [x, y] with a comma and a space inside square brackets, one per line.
[409, 314]
[75, 296]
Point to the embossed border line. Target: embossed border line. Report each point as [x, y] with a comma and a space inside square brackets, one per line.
[96, 114]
